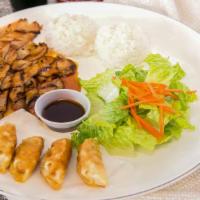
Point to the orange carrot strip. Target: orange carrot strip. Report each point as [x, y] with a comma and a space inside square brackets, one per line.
[148, 127]
[161, 120]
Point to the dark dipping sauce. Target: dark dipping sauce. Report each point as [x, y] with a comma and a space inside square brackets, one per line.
[63, 111]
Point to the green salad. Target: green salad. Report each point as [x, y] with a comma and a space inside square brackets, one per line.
[137, 107]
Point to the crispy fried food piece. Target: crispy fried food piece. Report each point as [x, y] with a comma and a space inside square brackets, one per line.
[19, 104]
[8, 142]
[9, 109]
[3, 100]
[90, 165]
[26, 158]
[54, 164]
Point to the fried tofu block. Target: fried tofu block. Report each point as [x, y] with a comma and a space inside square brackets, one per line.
[90, 165]
[8, 142]
[54, 164]
[26, 158]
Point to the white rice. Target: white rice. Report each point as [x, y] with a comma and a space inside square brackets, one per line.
[72, 35]
[121, 44]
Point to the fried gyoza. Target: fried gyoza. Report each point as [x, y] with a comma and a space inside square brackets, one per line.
[8, 142]
[90, 165]
[54, 164]
[26, 158]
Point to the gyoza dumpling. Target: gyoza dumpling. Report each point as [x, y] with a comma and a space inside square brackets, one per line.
[26, 158]
[54, 164]
[90, 165]
[8, 142]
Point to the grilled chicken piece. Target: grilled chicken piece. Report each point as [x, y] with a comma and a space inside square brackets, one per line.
[20, 64]
[90, 165]
[23, 26]
[54, 164]
[19, 104]
[2, 31]
[7, 81]
[31, 71]
[52, 85]
[23, 53]
[37, 52]
[11, 56]
[30, 84]
[18, 79]
[26, 158]
[3, 100]
[21, 39]
[48, 71]
[16, 94]
[31, 95]
[66, 67]
[4, 49]
[9, 109]
[46, 61]
[3, 71]
[8, 142]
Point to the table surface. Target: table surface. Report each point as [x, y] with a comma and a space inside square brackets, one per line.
[186, 189]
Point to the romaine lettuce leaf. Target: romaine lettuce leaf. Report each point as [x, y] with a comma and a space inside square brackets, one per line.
[162, 71]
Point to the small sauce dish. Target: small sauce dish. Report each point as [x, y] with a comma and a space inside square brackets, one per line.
[52, 107]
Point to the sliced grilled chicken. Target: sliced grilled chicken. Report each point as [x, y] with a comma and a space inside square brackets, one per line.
[20, 64]
[31, 95]
[37, 52]
[30, 84]
[3, 71]
[31, 71]
[21, 103]
[16, 94]
[3, 100]
[66, 67]
[23, 26]
[18, 79]
[11, 56]
[52, 85]
[22, 39]
[7, 81]
[22, 53]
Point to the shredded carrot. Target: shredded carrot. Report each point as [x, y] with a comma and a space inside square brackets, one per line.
[161, 119]
[153, 94]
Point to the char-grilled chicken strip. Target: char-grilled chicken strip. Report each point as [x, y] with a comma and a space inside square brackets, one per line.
[3, 101]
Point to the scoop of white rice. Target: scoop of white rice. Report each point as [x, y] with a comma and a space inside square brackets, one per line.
[121, 44]
[72, 35]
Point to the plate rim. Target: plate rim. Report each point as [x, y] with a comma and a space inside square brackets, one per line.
[102, 4]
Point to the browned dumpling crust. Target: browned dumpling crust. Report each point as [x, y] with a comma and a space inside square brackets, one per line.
[54, 164]
[26, 158]
[90, 165]
[8, 142]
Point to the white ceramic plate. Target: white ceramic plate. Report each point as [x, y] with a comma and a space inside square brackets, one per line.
[145, 172]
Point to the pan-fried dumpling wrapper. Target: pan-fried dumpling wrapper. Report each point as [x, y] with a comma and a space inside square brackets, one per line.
[54, 164]
[90, 165]
[26, 158]
[8, 142]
